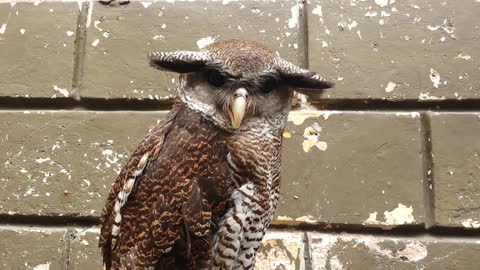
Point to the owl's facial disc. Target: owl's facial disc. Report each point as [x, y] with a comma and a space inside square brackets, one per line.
[238, 107]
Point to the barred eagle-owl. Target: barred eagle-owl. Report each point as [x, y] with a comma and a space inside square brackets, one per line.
[200, 190]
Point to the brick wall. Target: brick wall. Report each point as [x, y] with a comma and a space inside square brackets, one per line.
[384, 174]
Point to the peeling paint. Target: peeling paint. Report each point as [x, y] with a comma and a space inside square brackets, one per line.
[435, 77]
[462, 56]
[45, 266]
[398, 216]
[62, 91]
[293, 21]
[95, 42]
[390, 87]
[298, 117]
[470, 223]
[3, 28]
[384, 3]
[427, 96]
[311, 135]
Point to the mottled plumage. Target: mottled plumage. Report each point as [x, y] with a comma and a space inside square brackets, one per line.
[200, 190]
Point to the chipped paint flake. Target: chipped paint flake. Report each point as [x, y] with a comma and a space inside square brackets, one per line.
[95, 42]
[203, 42]
[371, 14]
[146, 4]
[384, 3]
[390, 87]
[311, 138]
[42, 160]
[427, 96]
[70, 33]
[470, 223]
[298, 117]
[3, 28]
[435, 77]
[287, 134]
[62, 91]
[22, 31]
[318, 11]
[462, 56]
[44, 266]
[400, 215]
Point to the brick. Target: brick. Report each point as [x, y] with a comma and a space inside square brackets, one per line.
[63, 163]
[117, 67]
[31, 248]
[282, 250]
[84, 251]
[347, 251]
[456, 150]
[364, 169]
[37, 58]
[400, 43]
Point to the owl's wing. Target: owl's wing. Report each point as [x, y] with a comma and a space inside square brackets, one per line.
[148, 149]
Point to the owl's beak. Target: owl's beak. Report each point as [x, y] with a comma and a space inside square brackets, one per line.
[239, 106]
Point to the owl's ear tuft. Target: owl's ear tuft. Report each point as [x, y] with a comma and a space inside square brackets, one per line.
[179, 61]
[301, 80]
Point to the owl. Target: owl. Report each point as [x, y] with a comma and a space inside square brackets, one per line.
[200, 190]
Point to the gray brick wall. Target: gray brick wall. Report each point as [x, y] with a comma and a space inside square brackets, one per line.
[383, 174]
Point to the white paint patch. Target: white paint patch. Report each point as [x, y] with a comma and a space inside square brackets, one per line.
[470, 223]
[427, 96]
[335, 263]
[400, 215]
[390, 87]
[371, 14]
[62, 91]
[203, 42]
[45, 266]
[22, 31]
[106, 34]
[89, 14]
[352, 25]
[311, 136]
[384, 3]
[413, 251]
[318, 11]
[70, 33]
[95, 42]
[298, 117]
[226, 2]
[324, 44]
[42, 160]
[435, 77]
[158, 37]
[461, 56]
[96, 23]
[146, 4]
[293, 21]
[3, 28]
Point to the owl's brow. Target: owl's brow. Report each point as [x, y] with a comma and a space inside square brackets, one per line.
[220, 68]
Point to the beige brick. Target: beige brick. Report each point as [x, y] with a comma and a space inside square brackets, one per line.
[63, 163]
[119, 39]
[32, 248]
[359, 252]
[365, 168]
[456, 156]
[282, 250]
[36, 48]
[386, 49]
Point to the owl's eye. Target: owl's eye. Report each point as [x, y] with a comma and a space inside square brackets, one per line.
[215, 78]
[268, 87]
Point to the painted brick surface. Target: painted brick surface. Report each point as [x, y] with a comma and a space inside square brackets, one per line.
[37, 58]
[359, 252]
[280, 251]
[38, 249]
[423, 50]
[119, 39]
[63, 163]
[456, 155]
[356, 168]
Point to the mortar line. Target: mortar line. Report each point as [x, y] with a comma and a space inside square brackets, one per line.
[427, 166]
[79, 51]
[307, 256]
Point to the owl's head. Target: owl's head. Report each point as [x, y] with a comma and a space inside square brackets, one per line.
[238, 83]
